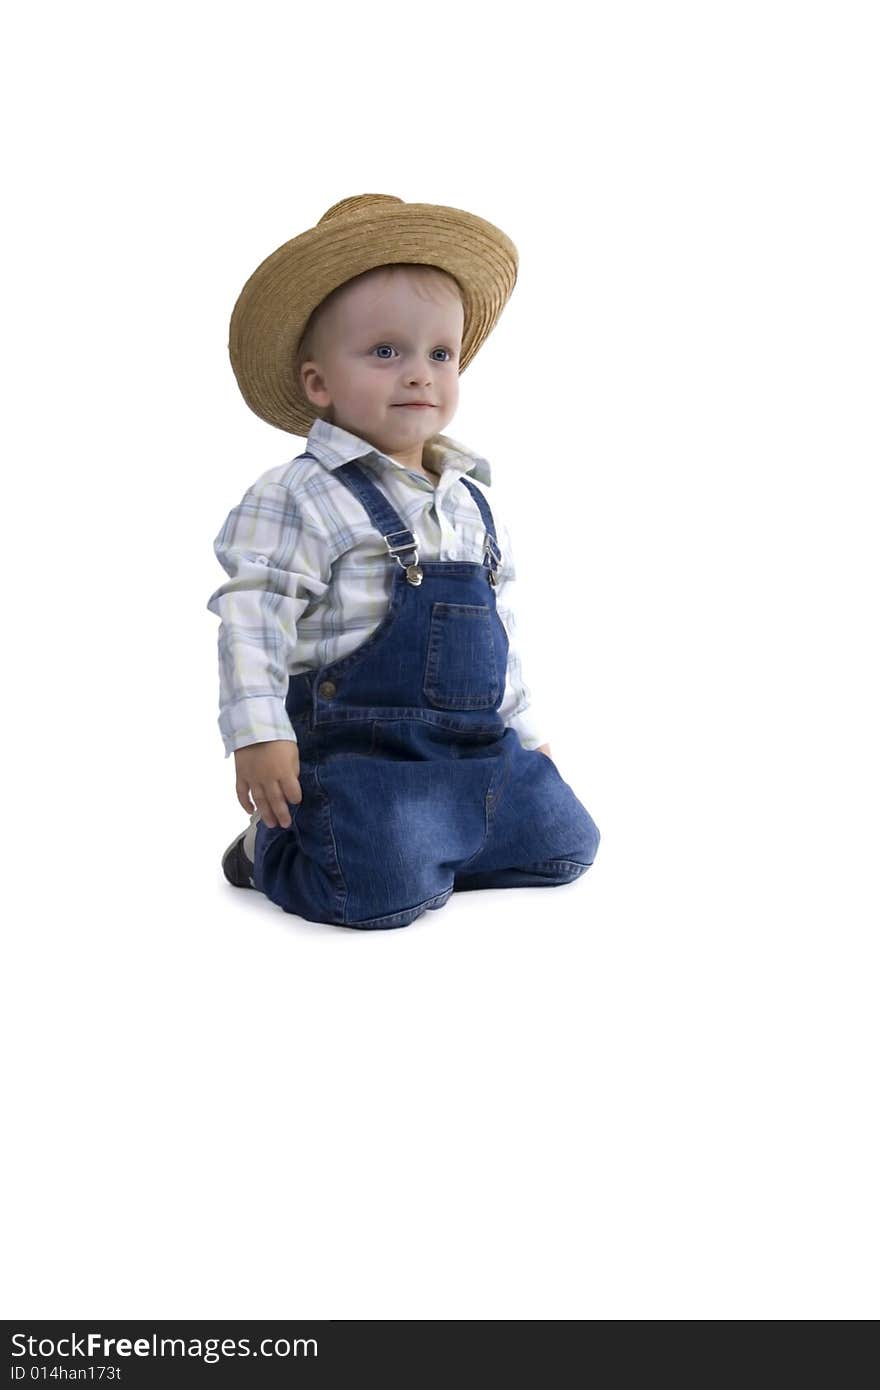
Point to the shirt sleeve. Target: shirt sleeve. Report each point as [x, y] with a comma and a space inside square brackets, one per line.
[516, 709]
[278, 564]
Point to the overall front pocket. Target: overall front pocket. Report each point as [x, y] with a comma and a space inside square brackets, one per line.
[461, 671]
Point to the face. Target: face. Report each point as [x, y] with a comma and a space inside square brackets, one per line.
[384, 343]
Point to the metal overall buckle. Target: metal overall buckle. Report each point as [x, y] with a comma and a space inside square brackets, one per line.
[413, 570]
[491, 557]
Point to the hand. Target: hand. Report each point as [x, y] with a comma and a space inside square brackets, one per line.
[270, 772]
[544, 748]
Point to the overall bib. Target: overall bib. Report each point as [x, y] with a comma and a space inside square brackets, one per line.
[412, 786]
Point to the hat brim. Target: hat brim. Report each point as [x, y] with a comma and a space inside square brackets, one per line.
[275, 304]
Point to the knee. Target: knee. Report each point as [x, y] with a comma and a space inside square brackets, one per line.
[593, 844]
[587, 843]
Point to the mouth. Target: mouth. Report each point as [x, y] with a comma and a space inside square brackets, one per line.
[413, 405]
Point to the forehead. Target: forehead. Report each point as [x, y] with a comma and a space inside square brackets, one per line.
[390, 303]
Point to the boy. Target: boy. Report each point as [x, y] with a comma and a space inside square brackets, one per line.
[369, 689]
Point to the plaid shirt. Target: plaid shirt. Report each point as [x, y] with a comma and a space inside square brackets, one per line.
[310, 577]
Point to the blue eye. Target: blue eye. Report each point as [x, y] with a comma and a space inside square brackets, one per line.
[381, 346]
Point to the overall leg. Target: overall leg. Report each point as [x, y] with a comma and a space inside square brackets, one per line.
[540, 834]
[375, 840]
[296, 866]
[401, 826]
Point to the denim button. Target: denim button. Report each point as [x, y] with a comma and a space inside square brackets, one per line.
[327, 688]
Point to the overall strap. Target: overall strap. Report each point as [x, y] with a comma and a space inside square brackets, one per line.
[491, 553]
[397, 537]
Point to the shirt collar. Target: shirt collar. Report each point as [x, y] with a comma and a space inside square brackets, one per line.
[333, 446]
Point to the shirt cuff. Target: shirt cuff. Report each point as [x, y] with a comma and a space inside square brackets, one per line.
[527, 728]
[255, 720]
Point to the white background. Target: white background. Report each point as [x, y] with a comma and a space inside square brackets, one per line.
[647, 1095]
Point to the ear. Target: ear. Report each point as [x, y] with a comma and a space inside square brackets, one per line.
[313, 384]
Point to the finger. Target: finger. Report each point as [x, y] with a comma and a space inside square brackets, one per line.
[241, 791]
[292, 789]
[280, 806]
[264, 806]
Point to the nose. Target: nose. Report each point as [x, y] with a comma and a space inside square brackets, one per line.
[416, 371]
[419, 377]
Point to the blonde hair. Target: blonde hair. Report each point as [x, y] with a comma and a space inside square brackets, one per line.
[434, 282]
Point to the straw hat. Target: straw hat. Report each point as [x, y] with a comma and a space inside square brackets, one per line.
[355, 235]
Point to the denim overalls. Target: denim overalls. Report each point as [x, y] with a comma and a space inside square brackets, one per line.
[412, 786]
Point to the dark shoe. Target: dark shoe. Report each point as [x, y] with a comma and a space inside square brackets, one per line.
[237, 867]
